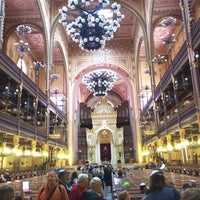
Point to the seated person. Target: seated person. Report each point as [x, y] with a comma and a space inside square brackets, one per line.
[143, 188]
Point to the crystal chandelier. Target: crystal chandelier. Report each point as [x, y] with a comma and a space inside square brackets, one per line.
[100, 82]
[22, 46]
[8, 91]
[168, 39]
[38, 65]
[23, 29]
[168, 21]
[90, 27]
[158, 59]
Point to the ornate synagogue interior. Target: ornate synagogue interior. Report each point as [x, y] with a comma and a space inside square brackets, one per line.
[130, 97]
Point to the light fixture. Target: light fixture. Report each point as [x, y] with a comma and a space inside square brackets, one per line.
[8, 91]
[169, 98]
[100, 82]
[168, 21]
[38, 65]
[90, 26]
[28, 105]
[185, 85]
[22, 46]
[23, 29]
[54, 76]
[158, 59]
[168, 38]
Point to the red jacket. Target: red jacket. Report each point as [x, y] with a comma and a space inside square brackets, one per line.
[76, 192]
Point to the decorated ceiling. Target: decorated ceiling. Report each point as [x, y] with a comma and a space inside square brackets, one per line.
[125, 39]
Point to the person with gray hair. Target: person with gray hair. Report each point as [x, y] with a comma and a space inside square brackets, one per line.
[96, 190]
[79, 188]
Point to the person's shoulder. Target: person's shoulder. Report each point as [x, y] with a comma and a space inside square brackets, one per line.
[172, 191]
[74, 187]
[61, 187]
[91, 195]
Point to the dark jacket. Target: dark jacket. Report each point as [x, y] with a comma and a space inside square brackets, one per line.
[165, 193]
[91, 195]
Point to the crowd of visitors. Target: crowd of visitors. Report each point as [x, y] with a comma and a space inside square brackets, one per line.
[87, 183]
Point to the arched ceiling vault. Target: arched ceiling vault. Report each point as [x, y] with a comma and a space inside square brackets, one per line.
[124, 39]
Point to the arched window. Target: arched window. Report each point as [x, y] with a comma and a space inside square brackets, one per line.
[22, 65]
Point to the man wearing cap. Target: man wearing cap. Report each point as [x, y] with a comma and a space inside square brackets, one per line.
[63, 176]
[143, 188]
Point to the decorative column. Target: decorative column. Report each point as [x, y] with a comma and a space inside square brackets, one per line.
[45, 155]
[159, 148]
[33, 144]
[16, 158]
[169, 147]
[184, 146]
[2, 16]
[91, 153]
[145, 153]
